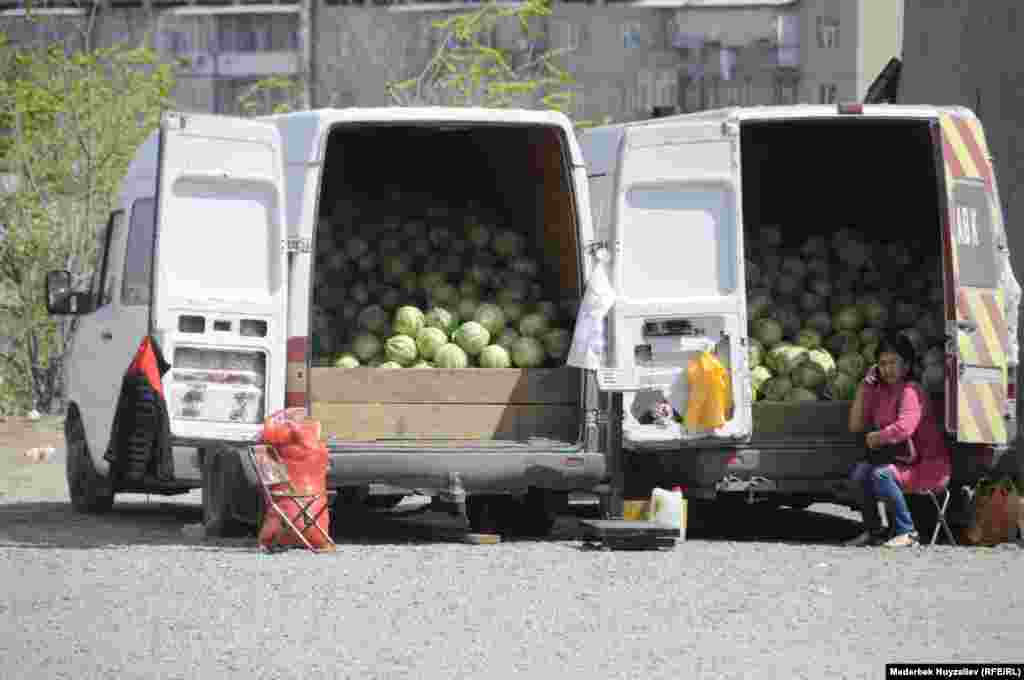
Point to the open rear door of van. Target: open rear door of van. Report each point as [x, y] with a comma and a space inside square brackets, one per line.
[679, 282]
[976, 361]
[219, 292]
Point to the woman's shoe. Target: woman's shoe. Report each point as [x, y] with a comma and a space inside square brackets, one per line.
[873, 537]
[901, 541]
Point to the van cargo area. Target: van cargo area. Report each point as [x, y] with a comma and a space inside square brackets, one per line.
[843, 243]
[464, 223]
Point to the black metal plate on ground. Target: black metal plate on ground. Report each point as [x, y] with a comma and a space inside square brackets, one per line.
[620, 534]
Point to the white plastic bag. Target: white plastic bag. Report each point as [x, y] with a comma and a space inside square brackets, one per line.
[588, 339]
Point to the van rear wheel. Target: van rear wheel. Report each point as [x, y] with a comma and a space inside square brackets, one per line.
[90, 493]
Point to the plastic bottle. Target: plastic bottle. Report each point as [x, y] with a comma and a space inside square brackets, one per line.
[667, 508]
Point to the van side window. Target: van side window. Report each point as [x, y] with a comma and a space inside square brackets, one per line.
[138, 256]
[103, 281]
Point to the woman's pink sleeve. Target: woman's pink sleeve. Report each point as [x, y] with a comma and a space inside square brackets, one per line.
[907, 420]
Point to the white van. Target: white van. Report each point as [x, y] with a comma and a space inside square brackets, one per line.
[249, 249]
[740, 225]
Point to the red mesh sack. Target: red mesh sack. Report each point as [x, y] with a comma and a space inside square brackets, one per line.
[296, 439]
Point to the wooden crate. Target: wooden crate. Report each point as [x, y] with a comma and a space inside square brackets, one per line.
[367, 404]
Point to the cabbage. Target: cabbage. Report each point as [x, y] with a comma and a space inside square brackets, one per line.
[408, 321]
[811, 302]
[459, 246]
[777, 388]
[367, 263]
[466, 308]
[508, 244]
[794, 266]
[451, 264]
[495, 356]
[533, 325]
[935, 355]
[755, 353]
[809, 338]
[389, 298]
[414, 229]
[491, 317]
[360, 293]
[507, 338]
[768, 332]
[841, 301]
[401, 349]
[843, 342]
[556, 342]
[815, 246]
[472, 337]
[349, 312]
[758, 377]
[800, 394]
[421, 248]
[439, 237]
[853, 365]
[904, 314]
[874, 313]
[823, 359]
[854, 253]
[393, 266]
[915, 338]
[429, 340]
[366, 346]
[787, 285]
[870, 352]
[870, 335]
[356, 248]
[819, 287]
[443, 295]
[346, 361]
[809, 375]
[480, 275]
[431, 280]
[469, 289]
[527, 352]
[790, 319]
[784, 359]
[848, 319]
[842, 387]
[450, 355]
[389, 364]
[421, 363]
[478, 235]
[819, 268]
[525, 267]
[821, 322]
[441, 318]
[513, 289]
[758, 305]
[373, 319]
[409, 282]
[513, 312]
[930, 326]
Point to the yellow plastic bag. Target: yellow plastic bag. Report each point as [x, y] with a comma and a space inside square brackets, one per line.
[710, 397]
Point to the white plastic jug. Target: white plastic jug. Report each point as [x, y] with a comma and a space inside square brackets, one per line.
[668, 508]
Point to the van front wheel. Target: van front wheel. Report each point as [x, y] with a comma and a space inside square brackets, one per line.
[89, 492]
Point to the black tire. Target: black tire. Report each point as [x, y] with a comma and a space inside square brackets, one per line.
[534, 515]
[90, 493]
[222, 478]
[482, 512]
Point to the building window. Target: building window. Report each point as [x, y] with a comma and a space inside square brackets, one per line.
[667, 89]
[631, 37]
[828, 32]
[567, 35]
[827, 94]
[786, 91]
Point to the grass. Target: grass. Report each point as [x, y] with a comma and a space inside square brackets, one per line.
[20, 478]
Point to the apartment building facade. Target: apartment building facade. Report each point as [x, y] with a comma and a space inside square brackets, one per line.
[628, 58]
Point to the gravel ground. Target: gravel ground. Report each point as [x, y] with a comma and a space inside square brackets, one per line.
[129, 595]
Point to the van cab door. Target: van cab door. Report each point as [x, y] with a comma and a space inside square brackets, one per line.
[678, 276]
[219, 291]
[976, 361]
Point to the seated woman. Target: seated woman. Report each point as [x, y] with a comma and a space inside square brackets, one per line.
[895, 411]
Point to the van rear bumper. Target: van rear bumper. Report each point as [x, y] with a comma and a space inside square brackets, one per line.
[431, 472]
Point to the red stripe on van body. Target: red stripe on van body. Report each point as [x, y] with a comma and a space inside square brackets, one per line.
[295, 399]
[974, 148]
[297, 349]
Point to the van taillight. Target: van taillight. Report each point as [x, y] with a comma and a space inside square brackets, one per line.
[851, 108]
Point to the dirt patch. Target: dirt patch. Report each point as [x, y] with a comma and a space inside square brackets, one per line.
[20, 477]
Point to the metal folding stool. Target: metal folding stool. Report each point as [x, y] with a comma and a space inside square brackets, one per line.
[940, 510]
[272, 471]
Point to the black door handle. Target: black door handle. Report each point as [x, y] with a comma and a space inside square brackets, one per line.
[106, 335]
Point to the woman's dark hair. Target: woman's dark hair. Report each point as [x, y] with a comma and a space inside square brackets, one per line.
[897, 343]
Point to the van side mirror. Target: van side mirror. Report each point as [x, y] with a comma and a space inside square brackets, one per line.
[60, 299]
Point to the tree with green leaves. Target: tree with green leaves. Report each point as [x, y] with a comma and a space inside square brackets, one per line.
[467, 69]
[74, 118]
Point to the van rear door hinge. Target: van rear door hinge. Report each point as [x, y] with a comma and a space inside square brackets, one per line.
[297, 245]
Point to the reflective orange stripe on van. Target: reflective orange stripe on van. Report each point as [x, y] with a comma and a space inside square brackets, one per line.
[295, 382]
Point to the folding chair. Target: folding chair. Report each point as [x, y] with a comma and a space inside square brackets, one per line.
[273, 472]
[940, 511]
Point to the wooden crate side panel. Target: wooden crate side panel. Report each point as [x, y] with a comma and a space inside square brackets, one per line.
[445, 386]
[368, 422]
